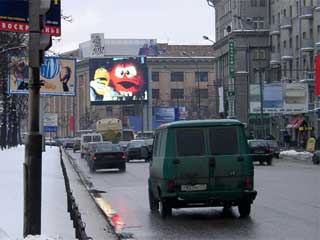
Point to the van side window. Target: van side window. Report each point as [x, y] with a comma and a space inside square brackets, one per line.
[156, 145]
[190, 142]
[224, 140]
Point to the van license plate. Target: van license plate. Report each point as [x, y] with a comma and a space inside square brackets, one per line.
[197, 187]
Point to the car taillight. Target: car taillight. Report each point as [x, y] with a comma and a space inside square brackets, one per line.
[269, 150]
[123, 156]
[170, 186]
[248, 182]
[94, 157]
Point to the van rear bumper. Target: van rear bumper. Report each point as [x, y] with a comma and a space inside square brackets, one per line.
[213, 199]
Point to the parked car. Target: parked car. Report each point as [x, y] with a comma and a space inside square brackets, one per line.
[316, 157]
[105, 155]
[137, 149]
[144, 134]
[76, 144]
[260, 151]
[273, 145]
[200, 164]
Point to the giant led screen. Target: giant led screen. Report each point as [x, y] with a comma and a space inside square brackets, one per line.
[118, 80]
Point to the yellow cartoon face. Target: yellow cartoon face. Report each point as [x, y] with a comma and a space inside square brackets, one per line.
[101, 81]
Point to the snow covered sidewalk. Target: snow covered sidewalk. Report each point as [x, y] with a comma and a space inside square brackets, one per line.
[294, 155]
[56, 222]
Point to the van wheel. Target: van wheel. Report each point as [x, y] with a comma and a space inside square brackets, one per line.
[244, 209]
[269, 162]
[153, 202]
[165, 208]
[122, 168]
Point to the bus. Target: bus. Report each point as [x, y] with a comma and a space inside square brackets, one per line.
[111, 130]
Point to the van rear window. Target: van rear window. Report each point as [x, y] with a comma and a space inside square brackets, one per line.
[96, 139]
[87, 139]
[190, 142]
[224, 140]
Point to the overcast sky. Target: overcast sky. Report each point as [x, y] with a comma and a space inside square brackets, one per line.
[171, 21]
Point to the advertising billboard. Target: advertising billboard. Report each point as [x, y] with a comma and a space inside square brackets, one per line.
[14, 17]
[118, 80]
[50, 122]
[317, 75]
[57, 75]
[280, 98]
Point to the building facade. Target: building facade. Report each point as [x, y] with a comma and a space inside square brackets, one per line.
[242, 54]
[275, 45]
[181, 76]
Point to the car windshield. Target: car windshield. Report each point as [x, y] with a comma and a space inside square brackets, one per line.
[257, 143]
[106, 148]
[136, 144]
[272, 143]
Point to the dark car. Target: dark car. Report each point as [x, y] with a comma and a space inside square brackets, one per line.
[260, 151]
[137, 149]
[68, 143]
[76, 144]
[273, 145]
[105, 155]
[316, 157]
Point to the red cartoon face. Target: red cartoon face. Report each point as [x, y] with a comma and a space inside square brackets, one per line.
[127, 78]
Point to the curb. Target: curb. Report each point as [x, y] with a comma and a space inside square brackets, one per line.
[110, 214]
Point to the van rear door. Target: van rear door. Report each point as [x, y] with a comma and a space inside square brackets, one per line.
[226, 161]
[191, 159]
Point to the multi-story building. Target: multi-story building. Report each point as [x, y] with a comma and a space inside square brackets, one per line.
[180, 76]
[295, 41]
[242, 54]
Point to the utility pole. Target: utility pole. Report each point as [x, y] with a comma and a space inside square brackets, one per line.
[261, 103]
[33, 148]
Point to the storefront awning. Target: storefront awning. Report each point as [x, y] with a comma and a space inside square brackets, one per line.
[295, 123]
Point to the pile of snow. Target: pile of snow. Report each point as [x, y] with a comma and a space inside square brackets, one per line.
[293, 154]
[41, 237]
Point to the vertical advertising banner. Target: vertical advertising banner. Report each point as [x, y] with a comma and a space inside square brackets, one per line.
[317, 75]
[50, 122]
[57, 75]
[118, 80]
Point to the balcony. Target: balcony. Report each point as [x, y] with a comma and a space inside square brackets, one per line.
[275, 58]
[286, 23]
[317, 7]
[287, 54]
[307, 77]
[306, 12]
[307, 45]
[274, 29]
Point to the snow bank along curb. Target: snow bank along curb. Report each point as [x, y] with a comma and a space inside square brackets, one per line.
[111, 215]
[294, 155]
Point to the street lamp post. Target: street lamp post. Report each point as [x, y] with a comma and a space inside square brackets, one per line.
[198, 79]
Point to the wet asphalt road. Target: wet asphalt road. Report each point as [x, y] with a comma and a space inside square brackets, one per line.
[287, 206]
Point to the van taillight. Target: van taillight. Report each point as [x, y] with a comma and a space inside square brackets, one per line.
[171, 186]
[248, 182]
[94, 158]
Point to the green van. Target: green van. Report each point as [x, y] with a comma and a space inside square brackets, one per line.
[201, 163]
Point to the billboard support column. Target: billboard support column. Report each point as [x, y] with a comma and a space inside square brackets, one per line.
[33, 149]
[149, 99]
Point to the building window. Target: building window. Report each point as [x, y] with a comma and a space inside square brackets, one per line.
[304, 35]
[284, 12]
[155, 93]
[254, 3]
[177, 93]
[258, 22]
[262, 3]
[177, 77]
[297, 42]
[259, 54]
[203, 93]
[290, 11]
[273, 19]
[128, 110]
[155, 76]
[285, 44]
[290, 42]
[201, 76]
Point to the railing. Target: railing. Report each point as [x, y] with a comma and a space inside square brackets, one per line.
[286, 22]
[275, 58]
[307, 45]
[274, 29]
[306, 12]
[287, 54]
